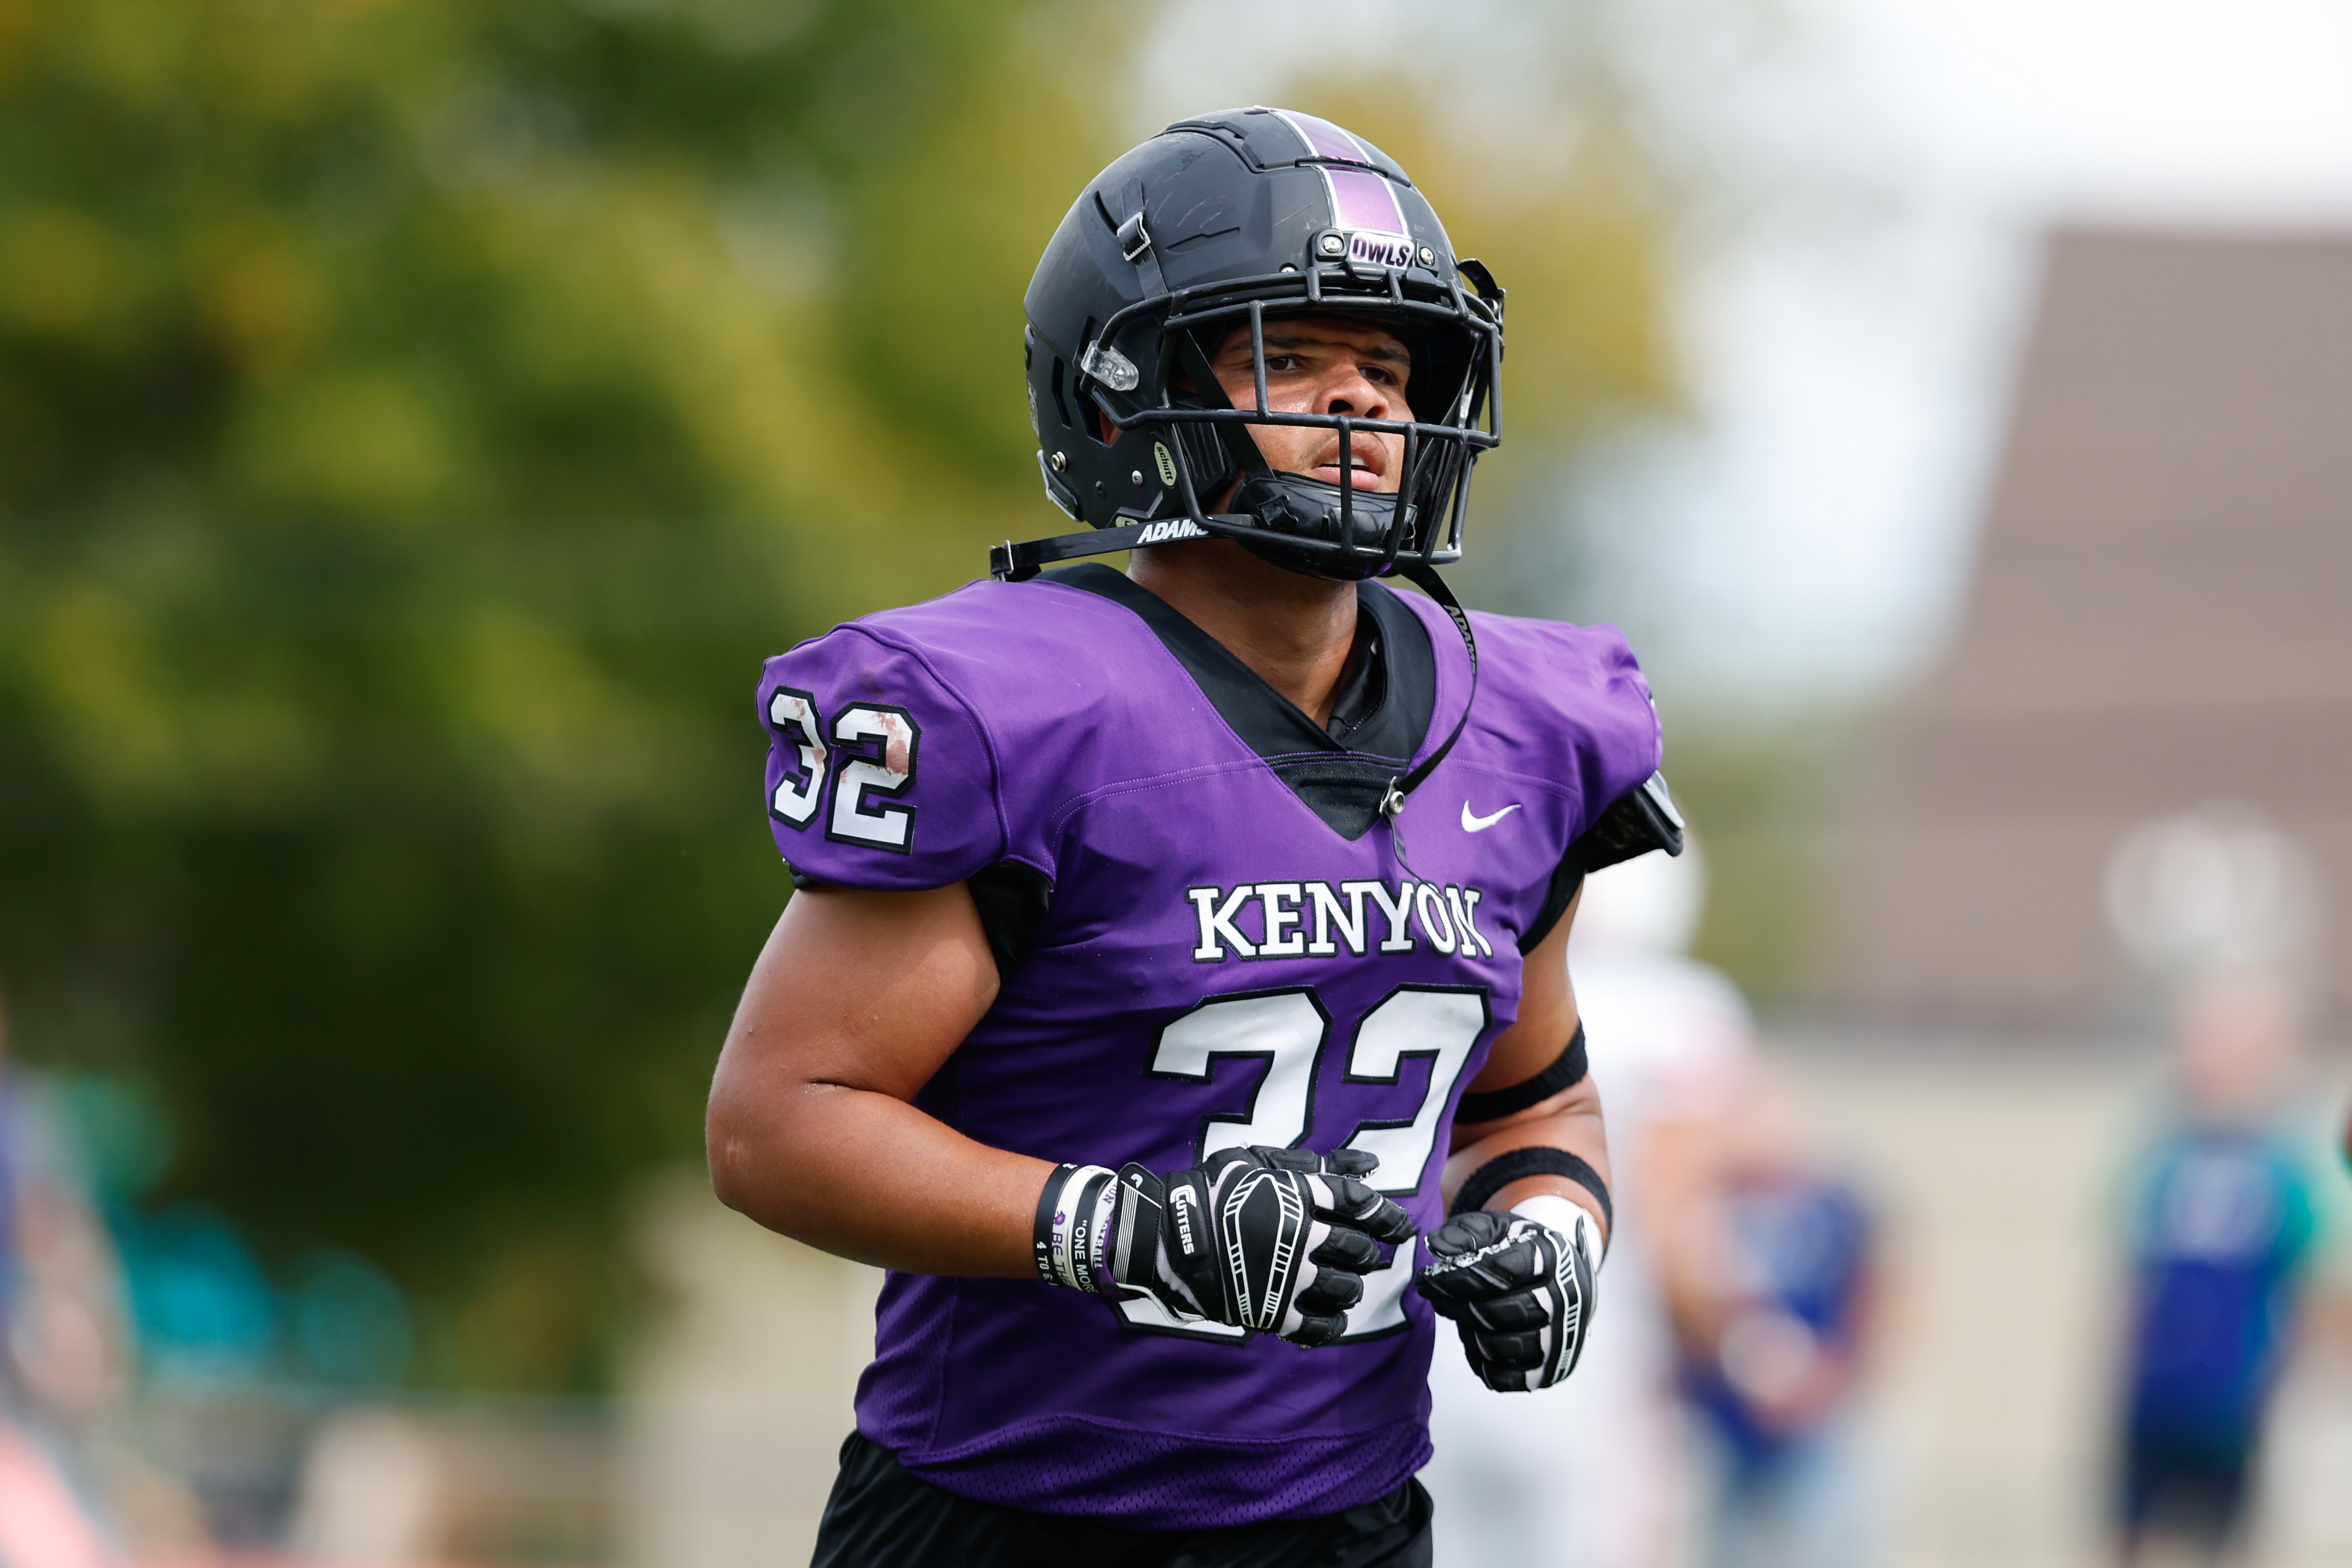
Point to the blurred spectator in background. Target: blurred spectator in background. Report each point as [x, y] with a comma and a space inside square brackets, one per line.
[2222, 914]
[60, 1351]
[1774, 1306]
[2221, 1221]
[1594, 1473]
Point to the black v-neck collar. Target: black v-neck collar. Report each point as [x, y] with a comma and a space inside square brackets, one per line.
[1342, 782]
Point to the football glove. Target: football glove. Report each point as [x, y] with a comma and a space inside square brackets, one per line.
[1277, 1240]
[1520, 1291]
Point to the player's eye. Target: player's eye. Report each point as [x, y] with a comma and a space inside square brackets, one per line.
[1277, 363]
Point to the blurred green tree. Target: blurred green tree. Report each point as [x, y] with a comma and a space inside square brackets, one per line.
[416, 421]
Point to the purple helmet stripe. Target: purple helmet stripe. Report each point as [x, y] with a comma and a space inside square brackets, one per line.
[1361, 200]
[1323, 138]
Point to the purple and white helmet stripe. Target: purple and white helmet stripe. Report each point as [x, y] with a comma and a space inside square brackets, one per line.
[1361, 200]
[1323, 138]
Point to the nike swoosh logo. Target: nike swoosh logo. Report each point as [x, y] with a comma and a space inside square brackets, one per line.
[1471, 824]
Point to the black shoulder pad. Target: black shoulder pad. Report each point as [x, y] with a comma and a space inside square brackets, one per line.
[1636, 823]
[1633, 824]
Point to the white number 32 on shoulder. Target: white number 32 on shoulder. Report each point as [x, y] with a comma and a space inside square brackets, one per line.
[875, 745]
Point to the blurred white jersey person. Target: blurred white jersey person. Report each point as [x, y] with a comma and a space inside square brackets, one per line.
[1593, 1473]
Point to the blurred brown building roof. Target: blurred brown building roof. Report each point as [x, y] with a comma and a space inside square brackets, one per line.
[2162, 616]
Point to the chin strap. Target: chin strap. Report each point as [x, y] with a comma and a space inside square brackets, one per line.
[1425, 578]
[1010, 562]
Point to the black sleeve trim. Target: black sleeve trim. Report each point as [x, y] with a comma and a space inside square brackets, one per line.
[1520, 1163]
[1633, 824]
[1567, 1069]
[1566, 879]
[1012, 900]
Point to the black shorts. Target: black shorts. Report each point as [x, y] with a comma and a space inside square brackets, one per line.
[881, 1517]
[2193, 1493]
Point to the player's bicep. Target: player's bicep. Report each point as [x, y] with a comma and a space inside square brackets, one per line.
[1531, 1048]
[860, 988]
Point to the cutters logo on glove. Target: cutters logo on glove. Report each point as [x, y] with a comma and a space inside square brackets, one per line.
[1520, 1293]
[1274, 1240]
[1184, 1208]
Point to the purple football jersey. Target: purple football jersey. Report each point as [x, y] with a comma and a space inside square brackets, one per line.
[1219, 948]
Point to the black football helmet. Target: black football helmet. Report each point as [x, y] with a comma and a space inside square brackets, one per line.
[1222, 222]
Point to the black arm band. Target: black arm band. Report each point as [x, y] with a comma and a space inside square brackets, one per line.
[1042, 1229]
[1520, 1163]
[1567, 1070]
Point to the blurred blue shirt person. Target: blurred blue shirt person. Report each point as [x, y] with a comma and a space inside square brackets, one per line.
[2223, 1219]
[1771, 1367]
[1799, 1249]
[2220, 1221]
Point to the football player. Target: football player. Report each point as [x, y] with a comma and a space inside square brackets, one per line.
[1172, 946]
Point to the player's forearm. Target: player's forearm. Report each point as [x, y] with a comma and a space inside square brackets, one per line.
[1570, 1123]
[801, 1162]
[857, 1002]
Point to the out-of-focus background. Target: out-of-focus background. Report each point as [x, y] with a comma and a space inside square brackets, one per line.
[418, 418]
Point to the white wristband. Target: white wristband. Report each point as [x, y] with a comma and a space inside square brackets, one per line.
[1083, 1203]
[1565, 1215]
